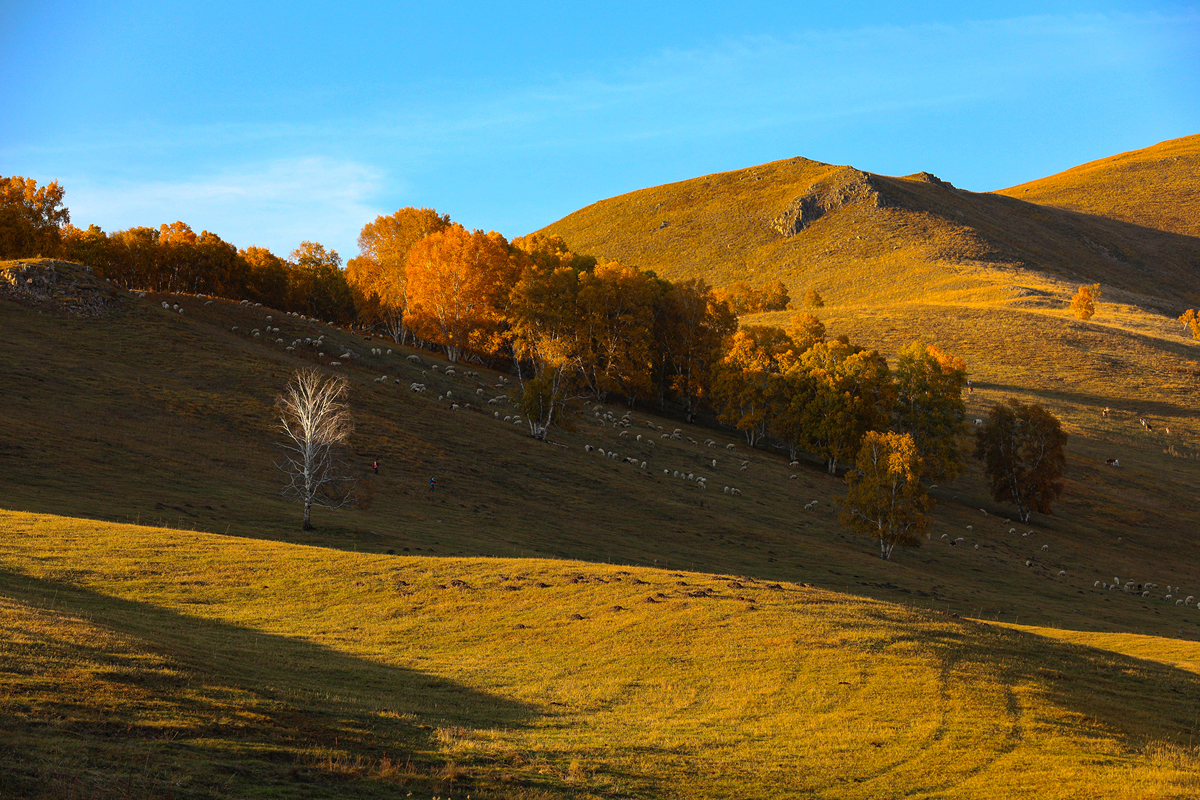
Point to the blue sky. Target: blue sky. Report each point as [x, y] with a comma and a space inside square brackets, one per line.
[291, 121]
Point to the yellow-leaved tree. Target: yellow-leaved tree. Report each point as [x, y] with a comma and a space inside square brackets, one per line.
[458, 284]
[378, 275]
[754, 355]
[887, 500]
[1084, 301]
[616, 306]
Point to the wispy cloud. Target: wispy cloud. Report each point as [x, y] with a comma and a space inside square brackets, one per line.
[275, 204]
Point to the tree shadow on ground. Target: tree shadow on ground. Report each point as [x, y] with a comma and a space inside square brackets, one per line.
[106, 697]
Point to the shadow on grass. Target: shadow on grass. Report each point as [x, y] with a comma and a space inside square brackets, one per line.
[105, 697]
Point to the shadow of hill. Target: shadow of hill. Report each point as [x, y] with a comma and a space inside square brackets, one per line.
[110, 697]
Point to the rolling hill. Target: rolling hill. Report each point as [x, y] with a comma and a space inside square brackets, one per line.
[864, 238]
[553, 622]
[1155, 187]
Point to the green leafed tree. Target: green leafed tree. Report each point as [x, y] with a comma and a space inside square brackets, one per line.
[886, 499]
[1022, 449]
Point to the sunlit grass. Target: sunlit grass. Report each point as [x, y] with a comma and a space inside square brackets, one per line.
[217, 664]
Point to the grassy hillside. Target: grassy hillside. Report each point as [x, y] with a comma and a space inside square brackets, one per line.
[1156, 187]
[143, 662]
[222, 649]
[864, 238]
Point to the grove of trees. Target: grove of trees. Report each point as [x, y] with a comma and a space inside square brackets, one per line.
[569, 325]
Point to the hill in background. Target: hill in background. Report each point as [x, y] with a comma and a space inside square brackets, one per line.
[1155, 187]
[858, 237]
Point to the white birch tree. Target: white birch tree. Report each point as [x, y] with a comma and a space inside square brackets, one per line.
[316, 422]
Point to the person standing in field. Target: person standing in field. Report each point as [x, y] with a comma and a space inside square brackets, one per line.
[431, 482]
[375, 466]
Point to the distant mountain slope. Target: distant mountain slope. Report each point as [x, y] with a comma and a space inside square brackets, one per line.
[1156, 187]
[860, 237]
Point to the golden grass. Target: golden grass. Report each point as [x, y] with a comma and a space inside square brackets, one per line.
[251, 646]
[1154, 187]
[899, 240]
[202, 664]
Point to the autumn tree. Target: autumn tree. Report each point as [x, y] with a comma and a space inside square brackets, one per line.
[852, 393]
[316, 423]
[1083, 304]
[31, 218]
[886, 499]
[616, 308]
[693, 324]
[267, 277]
[318, 285]
[1021, 446]
[930, 407]
[745, 298]
[743, 381]
[458, 284]
[378, 276]
[813, 299]
[806, 330]
[544, 318]
[1191, 322]
[86, 247]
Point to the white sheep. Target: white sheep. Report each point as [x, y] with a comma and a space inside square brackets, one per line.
[643, 465]
[414, 358]
[1045, 548]
[729, 446]
[1062, 572]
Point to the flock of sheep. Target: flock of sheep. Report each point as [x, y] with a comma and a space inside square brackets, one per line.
[606, 419]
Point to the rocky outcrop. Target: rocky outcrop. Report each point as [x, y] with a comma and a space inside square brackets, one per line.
[57, 286]
[841, 188]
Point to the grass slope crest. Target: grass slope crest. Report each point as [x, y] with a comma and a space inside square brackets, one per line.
[841, 230]
[1155, 187]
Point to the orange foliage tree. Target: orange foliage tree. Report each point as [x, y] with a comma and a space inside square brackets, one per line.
[617, 305]
[1191, 322]
[458, 283]
[691, 327]
[852, 393]
[31, 218]
[378, 276]
[1084, 301]
[743, 378]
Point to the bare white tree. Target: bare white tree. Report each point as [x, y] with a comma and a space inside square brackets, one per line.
[314, 417]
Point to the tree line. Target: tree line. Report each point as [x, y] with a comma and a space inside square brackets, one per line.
[572, 325]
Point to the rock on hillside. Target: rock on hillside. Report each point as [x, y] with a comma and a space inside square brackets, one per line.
[860, 237]
[57, 285]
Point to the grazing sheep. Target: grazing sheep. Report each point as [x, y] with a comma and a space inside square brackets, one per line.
[623, 434]
[794, 464]
[1045, 548]
[1012, 530]
[983, 511]
[166, 304]
[1062, 572]
[734, 491]
[960, 539]
[729, 446]
[1029, 563]
[970, 527]
[643, 465]
[639, 436]
[1146, 594]
[978, 422]
[791, 477]
[335, 363]
[813, 504]
[587, 448]
[1096, 584]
